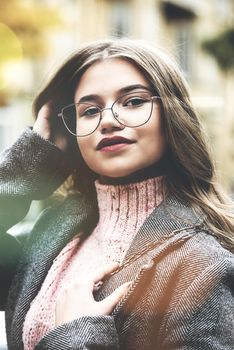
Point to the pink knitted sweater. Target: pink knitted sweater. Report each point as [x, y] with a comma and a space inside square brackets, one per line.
[123, 209]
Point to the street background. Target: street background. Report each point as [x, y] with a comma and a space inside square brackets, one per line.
[35, 36]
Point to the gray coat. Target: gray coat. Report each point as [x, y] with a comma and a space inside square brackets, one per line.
[182, 294]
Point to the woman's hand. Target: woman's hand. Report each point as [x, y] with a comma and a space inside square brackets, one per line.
[78, 300]
[45, 128]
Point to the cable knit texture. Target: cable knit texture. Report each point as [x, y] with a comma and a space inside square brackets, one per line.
[122, 209]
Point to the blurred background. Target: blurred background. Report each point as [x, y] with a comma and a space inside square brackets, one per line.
[35, 36]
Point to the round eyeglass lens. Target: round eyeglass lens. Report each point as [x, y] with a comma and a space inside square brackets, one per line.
[81, 119]
[133, 109]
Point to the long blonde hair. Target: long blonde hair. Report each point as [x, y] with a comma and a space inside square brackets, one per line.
[190, 174]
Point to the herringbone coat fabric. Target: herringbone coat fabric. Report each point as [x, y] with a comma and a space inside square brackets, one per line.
[182, 291]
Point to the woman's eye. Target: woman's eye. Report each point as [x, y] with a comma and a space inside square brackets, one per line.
[136, 101]
[90, 112]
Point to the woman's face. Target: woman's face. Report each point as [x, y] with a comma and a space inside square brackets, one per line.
[139, 147]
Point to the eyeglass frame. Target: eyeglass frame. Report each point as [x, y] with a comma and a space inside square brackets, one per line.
[60, 114]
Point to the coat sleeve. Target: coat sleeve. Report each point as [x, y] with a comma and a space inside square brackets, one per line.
[86, 333]
[31, 169]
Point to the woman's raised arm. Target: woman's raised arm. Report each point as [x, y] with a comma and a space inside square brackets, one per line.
[31, 169]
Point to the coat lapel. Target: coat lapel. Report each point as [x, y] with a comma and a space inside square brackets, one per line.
[169, 225]
[171, 216]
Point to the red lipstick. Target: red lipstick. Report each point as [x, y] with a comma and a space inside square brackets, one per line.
[113, 143]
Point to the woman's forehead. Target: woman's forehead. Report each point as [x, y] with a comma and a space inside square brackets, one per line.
[111, 74]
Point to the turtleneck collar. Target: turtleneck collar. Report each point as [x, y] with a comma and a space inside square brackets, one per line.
[125, 207]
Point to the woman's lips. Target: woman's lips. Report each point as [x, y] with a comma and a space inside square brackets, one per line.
[114, 148]
[113, 143]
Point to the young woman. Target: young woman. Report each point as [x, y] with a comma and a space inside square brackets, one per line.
[138, 254]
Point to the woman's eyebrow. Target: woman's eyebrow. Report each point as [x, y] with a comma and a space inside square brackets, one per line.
[130, 88]
[124, 90]
[89, 98]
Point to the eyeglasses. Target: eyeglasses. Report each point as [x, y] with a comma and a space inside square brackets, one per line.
[131, 110]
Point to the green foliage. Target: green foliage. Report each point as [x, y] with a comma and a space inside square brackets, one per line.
[222, 49]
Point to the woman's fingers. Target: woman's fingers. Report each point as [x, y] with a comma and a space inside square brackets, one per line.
[78, 299]
[42, 124]
[109, 303]
[102, 272]
[45, 126]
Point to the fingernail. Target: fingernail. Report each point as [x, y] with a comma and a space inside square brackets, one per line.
[98, 284]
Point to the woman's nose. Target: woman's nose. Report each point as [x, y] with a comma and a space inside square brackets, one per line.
[109, 122]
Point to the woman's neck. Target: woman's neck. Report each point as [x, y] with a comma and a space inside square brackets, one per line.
[154, 170]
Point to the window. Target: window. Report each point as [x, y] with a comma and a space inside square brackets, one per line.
[119, 19]
[184, 46]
